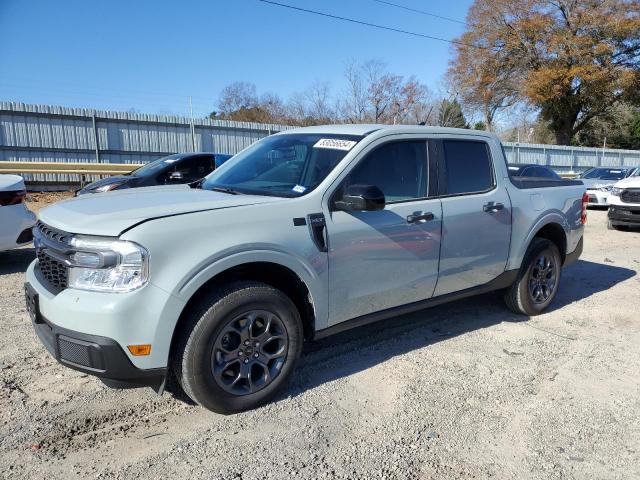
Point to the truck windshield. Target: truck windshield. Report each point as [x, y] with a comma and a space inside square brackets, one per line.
[285, 165]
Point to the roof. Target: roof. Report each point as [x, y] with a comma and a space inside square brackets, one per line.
[367, 128]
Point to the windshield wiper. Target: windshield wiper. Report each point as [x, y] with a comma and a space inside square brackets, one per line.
[230, 191]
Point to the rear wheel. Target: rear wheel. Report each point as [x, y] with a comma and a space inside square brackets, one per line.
[538, 279]
[239, 347]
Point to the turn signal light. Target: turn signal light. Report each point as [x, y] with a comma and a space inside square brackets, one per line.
[140, 350]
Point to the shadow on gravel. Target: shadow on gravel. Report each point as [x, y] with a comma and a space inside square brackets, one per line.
[16, 261]
[584, 278]
[364, 347]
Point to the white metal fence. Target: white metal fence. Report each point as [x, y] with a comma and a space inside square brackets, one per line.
[575, 159]
[41, 133]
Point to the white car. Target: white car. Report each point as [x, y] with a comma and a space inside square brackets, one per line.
[599, 182]
[16, 220]
[624, 202]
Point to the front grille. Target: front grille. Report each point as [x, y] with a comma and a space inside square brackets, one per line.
[74, 352]
[630, 196]
[54, 271]
[52, 246]
[52, 234]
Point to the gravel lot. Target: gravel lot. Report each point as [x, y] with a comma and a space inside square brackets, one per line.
[465, 390]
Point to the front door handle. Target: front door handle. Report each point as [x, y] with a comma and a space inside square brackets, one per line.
[492, 207]
[416, 217]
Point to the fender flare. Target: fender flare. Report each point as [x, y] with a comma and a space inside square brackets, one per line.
[548, 218]
[226, 260]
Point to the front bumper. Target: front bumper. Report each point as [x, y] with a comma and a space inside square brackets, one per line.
[624, 215]
[92, 354]
[98, 327]
[598, 198]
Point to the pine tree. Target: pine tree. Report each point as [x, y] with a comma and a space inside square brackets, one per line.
[450, 114]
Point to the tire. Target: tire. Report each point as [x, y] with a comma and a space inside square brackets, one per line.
[615, 226]
[535, 287]
[238, 347]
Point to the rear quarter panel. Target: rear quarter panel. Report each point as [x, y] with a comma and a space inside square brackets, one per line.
[534, 208]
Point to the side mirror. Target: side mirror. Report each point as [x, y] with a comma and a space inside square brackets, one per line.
[176, 177]
[361, 198]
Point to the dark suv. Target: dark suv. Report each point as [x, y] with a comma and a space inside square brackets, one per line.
[174, 169]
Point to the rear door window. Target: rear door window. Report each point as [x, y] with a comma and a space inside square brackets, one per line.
[467, 167]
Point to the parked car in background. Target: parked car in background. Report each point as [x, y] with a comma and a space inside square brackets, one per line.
[599, 182]
[16, 220]
[304, 234]
[174, 169]
[532, 170]
[624, 202]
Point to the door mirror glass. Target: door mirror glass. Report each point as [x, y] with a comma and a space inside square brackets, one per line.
[361, 198]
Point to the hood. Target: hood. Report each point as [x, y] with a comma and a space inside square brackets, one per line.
[593, 183]
[106, 181]
[111, 213]
[629, 182]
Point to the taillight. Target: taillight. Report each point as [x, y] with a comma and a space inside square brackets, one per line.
[12, 198]
[585, 202]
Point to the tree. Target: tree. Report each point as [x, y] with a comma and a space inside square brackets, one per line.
[619, 129]
[485, 84]
[571, 59]
[354, 104]
[450, 114]
[235, 97]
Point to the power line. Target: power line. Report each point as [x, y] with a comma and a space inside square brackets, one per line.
[374, 25]
[422, 12]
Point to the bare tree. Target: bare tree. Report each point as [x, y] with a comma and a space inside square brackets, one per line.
[319, 100]
[354, 104]
[237, 96]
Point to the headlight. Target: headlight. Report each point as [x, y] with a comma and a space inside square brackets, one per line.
[107, 265]
[616, 191]
[606, 188]
[108, 187]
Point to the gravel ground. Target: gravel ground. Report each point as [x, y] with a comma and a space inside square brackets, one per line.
[465, 390]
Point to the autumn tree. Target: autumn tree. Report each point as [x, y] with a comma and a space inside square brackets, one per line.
[572, 59]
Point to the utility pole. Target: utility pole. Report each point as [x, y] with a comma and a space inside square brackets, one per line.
[193, 127]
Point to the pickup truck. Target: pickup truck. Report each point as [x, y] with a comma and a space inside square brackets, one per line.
[215, 286]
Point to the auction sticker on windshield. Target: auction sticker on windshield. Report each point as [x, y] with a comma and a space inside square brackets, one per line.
[335, 144]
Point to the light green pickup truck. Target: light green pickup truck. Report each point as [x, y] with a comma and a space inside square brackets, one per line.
[306, 233]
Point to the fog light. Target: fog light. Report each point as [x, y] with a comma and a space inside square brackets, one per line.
[140, 350]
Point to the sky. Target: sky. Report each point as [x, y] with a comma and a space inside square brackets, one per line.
[151, 56]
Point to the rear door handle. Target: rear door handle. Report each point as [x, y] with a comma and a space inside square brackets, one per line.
[492, 207]
[416, 217]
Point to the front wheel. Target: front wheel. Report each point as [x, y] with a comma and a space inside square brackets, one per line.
[538, 279]
[238, 347]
